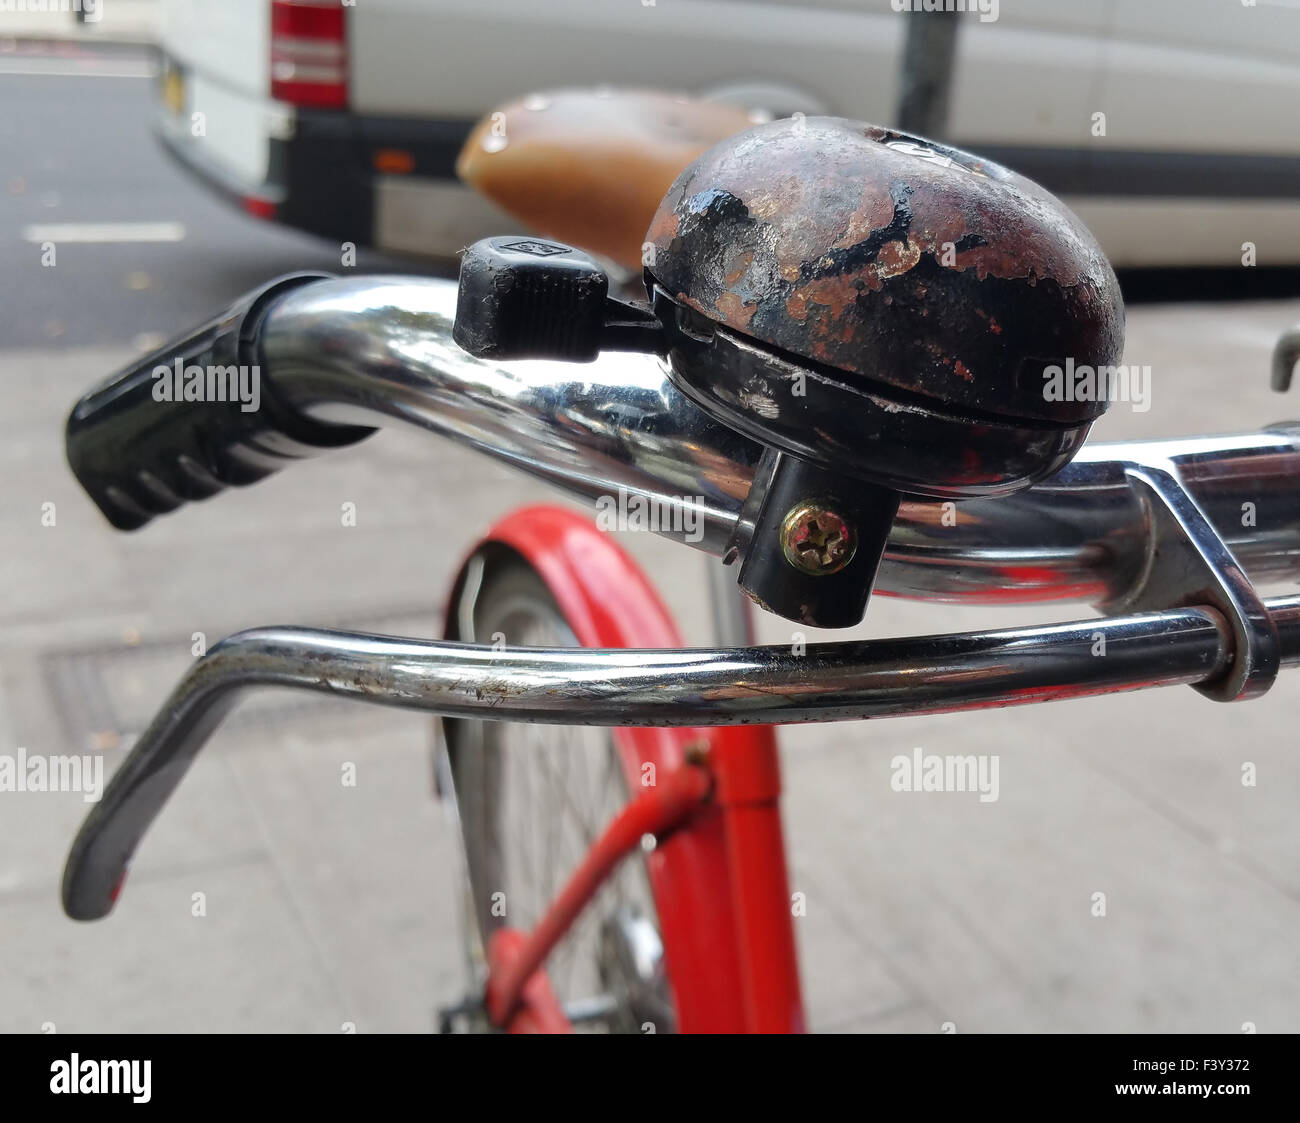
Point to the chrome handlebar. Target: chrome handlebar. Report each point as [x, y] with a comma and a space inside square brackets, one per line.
[1152, 530]
[847, 681]
[372, 350]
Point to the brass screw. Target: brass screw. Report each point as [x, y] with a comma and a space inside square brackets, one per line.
[817, 541]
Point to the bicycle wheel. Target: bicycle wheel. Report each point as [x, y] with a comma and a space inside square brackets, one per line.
[530, 801]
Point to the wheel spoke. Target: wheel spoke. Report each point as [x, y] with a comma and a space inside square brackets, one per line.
[544, 795]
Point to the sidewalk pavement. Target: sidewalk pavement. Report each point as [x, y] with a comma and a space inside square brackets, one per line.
[328, 904]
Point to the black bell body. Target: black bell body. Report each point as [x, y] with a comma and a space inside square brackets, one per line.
[885, 306]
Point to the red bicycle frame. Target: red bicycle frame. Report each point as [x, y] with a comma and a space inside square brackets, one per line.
[718, 874]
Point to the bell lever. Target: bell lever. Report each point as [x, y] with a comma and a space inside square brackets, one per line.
[531, 298]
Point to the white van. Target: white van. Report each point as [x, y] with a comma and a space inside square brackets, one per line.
[1169, 125]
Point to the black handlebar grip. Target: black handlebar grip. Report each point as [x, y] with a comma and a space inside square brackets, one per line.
[193, 418]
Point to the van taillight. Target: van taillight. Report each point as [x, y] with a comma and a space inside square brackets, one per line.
[309, 53]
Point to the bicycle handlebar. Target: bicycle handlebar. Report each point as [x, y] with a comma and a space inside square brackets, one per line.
[845, 681]
[341, 356]
[371, 351]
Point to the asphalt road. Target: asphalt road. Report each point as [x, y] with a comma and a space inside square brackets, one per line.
[78, 148]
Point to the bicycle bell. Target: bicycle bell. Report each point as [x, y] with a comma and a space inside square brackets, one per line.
[887, 316]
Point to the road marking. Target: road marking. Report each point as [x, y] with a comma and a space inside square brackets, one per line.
[61, 68]
[105, 232]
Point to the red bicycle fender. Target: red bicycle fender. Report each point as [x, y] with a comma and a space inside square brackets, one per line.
[609, 602]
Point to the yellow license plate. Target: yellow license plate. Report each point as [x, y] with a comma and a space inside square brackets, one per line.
[173, 91]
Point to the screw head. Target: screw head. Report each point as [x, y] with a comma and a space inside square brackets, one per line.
[816, 540]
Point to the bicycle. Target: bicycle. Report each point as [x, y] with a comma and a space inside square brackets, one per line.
[923, 387]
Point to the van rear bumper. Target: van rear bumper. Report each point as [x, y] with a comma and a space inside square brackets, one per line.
[325, 177]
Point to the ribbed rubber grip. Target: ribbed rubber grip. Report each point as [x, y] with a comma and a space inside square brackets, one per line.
[193, 418]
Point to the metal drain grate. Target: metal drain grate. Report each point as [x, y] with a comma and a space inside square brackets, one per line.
[105, 695]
